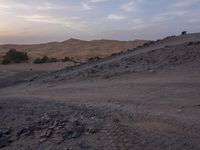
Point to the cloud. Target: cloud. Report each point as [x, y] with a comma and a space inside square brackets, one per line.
[137, 21]
[185, 3]
[116, 17]
[169, 15]
[131, 6]
[3, 6]
[70, 22]
[194, 20]
[85, 6]
[175, 13]
[23, 6]
[98, 1]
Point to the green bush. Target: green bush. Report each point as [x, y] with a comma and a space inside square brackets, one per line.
[45, 59]
[13, 56]
[41, 60]
[5, 61]
[38, 61]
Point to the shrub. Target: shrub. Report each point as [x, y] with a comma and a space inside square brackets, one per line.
[193, 43]
[13, 56]
[38, 61]
[45, 59]
[42, 60]
[51, 60]
[66, 59]
[94, 58]
[5, 61]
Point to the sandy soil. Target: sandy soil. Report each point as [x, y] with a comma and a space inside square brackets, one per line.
[145, 99]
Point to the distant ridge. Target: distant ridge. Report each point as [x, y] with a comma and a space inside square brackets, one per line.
[78, 49]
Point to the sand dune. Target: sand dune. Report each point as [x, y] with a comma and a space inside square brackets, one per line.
[74, 48]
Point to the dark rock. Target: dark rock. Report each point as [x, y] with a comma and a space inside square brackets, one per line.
[5, 131]
[54, 124]
[77, 132]
[84, 146]
[106, 76]
[126, 66]
[91, 129]
[56, 76]
[47, 133]
[42, 140]
[4, 141]
[27, 131]
[114, 119]
[33, 78]
[73, 130]
[45, 118]
[70, 148]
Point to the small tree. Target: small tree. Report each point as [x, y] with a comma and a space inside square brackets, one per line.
[37, 61]
[14, 56]
[45, 59]
[42, 60]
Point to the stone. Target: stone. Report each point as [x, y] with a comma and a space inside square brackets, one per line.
[4, 141]
[5, 131]
[70, 148]
[93, 117]
[33, 78]
[54, 124]
[84, 146]
[45, 118]
[73, 130]
[179, 110]
[151, 71]
[42, 140]
[27, 131]
[91, 129]
[47, 133]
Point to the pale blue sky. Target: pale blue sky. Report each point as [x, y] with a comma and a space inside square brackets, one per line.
[28, 21]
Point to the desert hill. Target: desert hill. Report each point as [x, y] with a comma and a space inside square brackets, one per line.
[78, 49]
[168, 52]
[146, 98]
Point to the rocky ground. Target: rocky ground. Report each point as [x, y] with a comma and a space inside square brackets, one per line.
[59, 126]
[145, 99]
[55, 125]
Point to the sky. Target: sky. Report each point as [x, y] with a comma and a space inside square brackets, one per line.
[38, 21]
